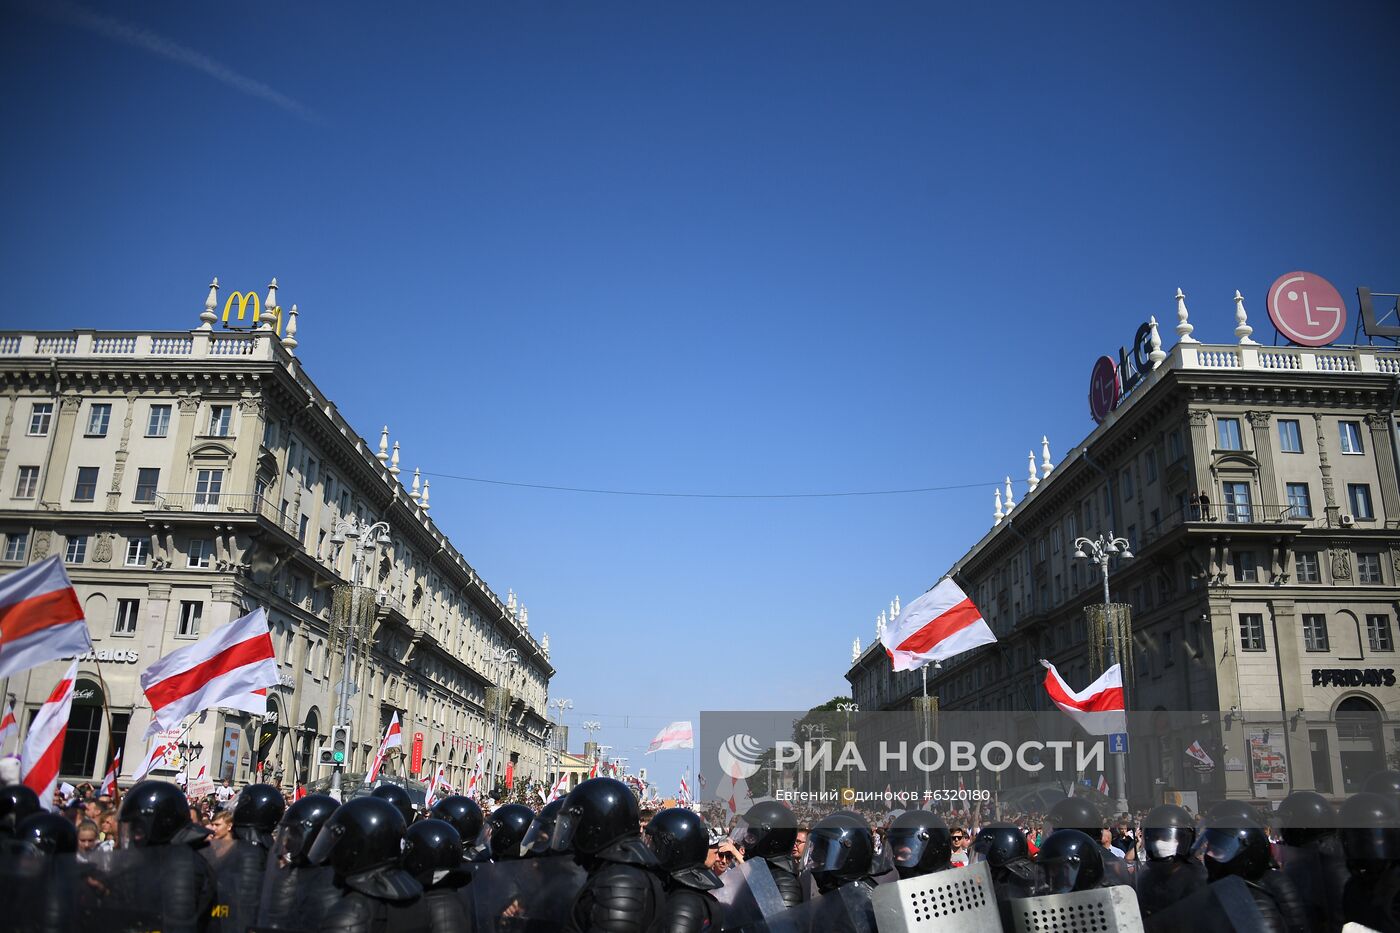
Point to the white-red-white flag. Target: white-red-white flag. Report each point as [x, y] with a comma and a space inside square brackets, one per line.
[158, 755]
[676, 735]
[475, 779]
[593, 771]
[9, 727]
[233, 661]
[40, 617]
[43, 745]
[299, 793]
[1194, 750]
[1098, 708]
[1102, 785]
[559, 789]
[684, 794]
[733, 792]
[393, 738]
[430, 796]
[939, 624]
[109, 780]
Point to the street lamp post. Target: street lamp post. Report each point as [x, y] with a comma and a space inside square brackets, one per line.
[1100, 551]
[500, 657]
[848, 735]
[592, 726]
[362, 533]
[560, 705]
[189, 751]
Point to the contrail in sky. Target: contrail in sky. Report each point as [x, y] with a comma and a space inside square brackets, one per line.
[112, 28]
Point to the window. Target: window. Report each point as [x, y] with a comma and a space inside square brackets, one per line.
[1359, 497]
[1299, 502]
[1378, 632]
[309, 479]
[1368, 568]
[1314, 632]
[198, 554]
[85, 490]
[1305, 567]
[1227, 433]
[158, 424]
[1246, 567]
[1251, 631]
[1168, 650]
[1056, 539]
[40, 414]
[79, 755]
[220, 417]
[1237, 502]
[269, 434]
[127, 612]
[1127, 484]
[99, 417]
[137, 550]
[76, 551]
[16, 545]
[1150, 464]
[190, 614]
[301, 528]
[27, 483]
[208, 485]
[1290, 438]
[1350, 432]
[147, 478]
[291, 456]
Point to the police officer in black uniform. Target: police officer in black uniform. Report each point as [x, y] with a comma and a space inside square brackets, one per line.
[399, 798]
[432, 854]
[1069, 861]
[624, 892]
[1078, 813]
[464, 816]
[1168, 873]
[1311, 857]
[48, 833]
[504, 830]
[1370, 833]
[918, 842]
[1008, 856]
[17, 802]
[1235, 843]
[841, 851]
[242, 867]
[769, 831]
[298, 894]
[173, 879]
[363, 842]
[537, 837]
[681, 841]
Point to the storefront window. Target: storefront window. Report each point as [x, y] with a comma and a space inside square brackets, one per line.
[84, 730]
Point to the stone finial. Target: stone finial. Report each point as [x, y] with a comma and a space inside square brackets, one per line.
[544, 644]
[1010, 502]
[998, 513]
[269, 308]
[525, 617]
[413, 493]
[394, 460]
[510, 601]
[289, 342]
[1242, 328]
[880, 627]
[423, 500]
[1183, 320]
[855, 650]
[208, 316]
[383, 454]
[1154, 341]
[1045, 465]
[896, 609]
[1032, 478]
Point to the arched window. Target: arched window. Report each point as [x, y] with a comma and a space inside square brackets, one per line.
[1359, 743]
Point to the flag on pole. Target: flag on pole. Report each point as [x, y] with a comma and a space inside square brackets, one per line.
[1098, 708]
[734, 793]
[299, 793]
[559, 789]
[156, 756]
[430, 795]
[593, 771]
[109, 782]
[393, 738]
[939, 624]
[476, 771]
[684, 792]
[676, 735]
[40, 617]
[43, 745]
[1102, 785]
[1194, 750]
[232, 662]
[8, 725]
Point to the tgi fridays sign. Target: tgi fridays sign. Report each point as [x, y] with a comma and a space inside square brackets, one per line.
[1110, 382]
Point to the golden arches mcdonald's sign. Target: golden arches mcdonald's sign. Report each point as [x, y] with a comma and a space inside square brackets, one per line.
[258, 310]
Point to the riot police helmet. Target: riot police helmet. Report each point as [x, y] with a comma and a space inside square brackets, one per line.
[259, 807]
[397, 796]
[362, 834]
[504, 829]
[1305, 816]
[431, 846]
[536, 841]
[840, 848]
[999, 843]
[1370, 830]
[918, 843]
[152, 812]
[50, 833]
[1168, 832]
[462, 812]
[1076, 813]
[17, 803]
[1071, 861]
[300, 825]
[767, 830]
[598, 813]
[1235, 844]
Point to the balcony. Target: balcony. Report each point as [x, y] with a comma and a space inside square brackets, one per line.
[226, 504]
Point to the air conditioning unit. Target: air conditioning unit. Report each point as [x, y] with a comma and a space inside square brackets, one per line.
[1348, 519]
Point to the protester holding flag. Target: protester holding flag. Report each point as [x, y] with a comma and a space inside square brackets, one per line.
[393, 738]
[43, 745]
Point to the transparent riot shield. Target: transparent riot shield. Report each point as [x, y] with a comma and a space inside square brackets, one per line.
[39, 893]
[848, 909]
[295, 897]
[533, 895]
[1225, 906]
[750, 895]
[239, 871]
[959, 899]
[1101, 910]
[133, 891]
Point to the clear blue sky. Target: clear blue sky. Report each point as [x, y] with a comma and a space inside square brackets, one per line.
[777, 247]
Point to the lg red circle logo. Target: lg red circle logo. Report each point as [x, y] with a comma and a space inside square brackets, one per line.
[1307, 309]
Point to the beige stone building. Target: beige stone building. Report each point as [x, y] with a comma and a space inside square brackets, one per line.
[1272, 601]
[188, 477]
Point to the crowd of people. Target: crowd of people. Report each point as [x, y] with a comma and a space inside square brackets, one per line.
[595, 859]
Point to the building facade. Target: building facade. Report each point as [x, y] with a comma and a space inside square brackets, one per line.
[189, 477]
[1257, 488]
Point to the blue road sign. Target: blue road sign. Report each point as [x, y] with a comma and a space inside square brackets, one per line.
[1118, 743]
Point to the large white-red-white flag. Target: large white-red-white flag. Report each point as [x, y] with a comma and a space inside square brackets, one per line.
[109, 781]
[430, 795]
[393, 738]
[939, 624]
[560, 788]
[1098, 708]
[43, 745]
[231, 663]
[684, 795]
[159, 753]
[8, 725]
[676, 735]
[40, 617]
[1102, 785]
[475, 778]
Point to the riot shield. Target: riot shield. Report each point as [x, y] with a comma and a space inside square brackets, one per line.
[39, 893]
[295, 897]
[1100, 910]
[533, 895]
[240, 872]
[128, 890]
[961, 899]
[1225, 906]
[749, 894]
[848, 909]
[1319, 882]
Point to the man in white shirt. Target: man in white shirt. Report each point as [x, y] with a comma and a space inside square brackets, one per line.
[1106, 840]
[224, 792]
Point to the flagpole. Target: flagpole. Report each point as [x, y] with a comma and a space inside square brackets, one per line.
[1026, 699]
[928, 779]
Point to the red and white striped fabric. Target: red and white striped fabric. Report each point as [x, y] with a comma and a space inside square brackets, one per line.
[430, 795]
[40, 617]
[157, 755]
[43, 746]
[475, 779]
[559, 789]
[1195, 751]
[109, 781]
[8, 726]
[733, 792]
[1098, 708]
[254, 702]
[1102, 785]
[593, 771]
[676, 735]
[393, 738]
[233, 661]
[939, 624]
[684, 792]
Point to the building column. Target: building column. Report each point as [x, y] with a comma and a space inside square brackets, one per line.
[1329, 493]
[188, 406]
[56, 464]
[1227, 679]
[1297, 748]
[1260, 421]
[1381, 443]
[1201, 447]
[243, 469]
